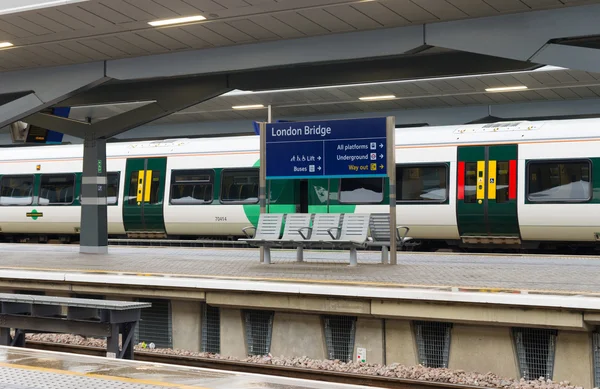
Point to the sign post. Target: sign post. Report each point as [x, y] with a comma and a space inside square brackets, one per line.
[345, 148]
[391, 154]
[262, 178]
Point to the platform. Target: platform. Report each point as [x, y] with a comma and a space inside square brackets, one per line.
[32, 369]
[533, 273]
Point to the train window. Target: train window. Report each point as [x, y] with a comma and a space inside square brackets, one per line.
[502, 181]
[361, 190]
[192, 187]
[239, 186]
[155, 187]
[16, 190]
[57, 189]
[470, 182]
[559, 181]
[112, 188]
[426, 183]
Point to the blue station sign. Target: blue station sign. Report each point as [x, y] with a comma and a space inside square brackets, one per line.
[327, 149]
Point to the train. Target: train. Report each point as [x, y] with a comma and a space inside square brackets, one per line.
[512, 185]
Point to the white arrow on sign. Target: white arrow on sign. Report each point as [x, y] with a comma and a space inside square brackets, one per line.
[380, 155]
[381, 145]
[319, 157]
[319, 168]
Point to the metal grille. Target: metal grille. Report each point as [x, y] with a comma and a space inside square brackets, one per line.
[535, 352]
[433, 343]
[211, 329]
[596, 350]
[155, 324]
[259, 326]
[339, 337]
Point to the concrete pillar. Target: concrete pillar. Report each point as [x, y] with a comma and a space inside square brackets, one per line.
[470, 348]
[187, 326]
[400, 345]
[573, 360]
[369, 335]
[94, 219]
[298, 335]
[233, 340]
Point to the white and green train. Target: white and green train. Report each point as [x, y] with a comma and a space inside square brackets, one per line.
[510, 184]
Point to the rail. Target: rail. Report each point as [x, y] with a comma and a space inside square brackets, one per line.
[254, 368]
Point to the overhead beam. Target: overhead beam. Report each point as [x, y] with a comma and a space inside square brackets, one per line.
[582, 58]
[41, 88]
[376, 70]
[519, 36]
[289, 52]
[169, 96]
[66, 126]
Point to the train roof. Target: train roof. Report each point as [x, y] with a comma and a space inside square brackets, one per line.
[500, 132]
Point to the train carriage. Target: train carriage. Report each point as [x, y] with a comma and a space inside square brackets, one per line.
[507, 185]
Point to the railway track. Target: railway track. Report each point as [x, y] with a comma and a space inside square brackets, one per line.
[247, 367]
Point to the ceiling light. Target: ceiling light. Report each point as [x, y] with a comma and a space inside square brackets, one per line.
[375, 98]
[35, 4]
[253, 106]
[506, 88]
[187, 19]
[4, 45]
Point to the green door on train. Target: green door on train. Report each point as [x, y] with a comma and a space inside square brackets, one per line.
[144, 195]
[487, 193]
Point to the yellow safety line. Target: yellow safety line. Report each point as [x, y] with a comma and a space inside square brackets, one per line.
[100, 376]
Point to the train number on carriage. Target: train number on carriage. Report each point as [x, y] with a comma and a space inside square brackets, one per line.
[220, 218]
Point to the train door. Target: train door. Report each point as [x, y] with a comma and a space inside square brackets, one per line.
[487, 194]
[144, 195]
[302, 197]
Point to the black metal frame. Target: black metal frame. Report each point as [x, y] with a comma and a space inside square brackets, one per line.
[99, 321]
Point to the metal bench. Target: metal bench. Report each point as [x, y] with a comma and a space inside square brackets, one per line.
[352, 234]
[266, 234]
[379, 225]
[294, 224]
[89, 317]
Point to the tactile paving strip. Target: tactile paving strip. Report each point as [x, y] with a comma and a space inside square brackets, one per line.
[31, 379]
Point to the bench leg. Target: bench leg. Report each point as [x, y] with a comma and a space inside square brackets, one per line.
[5, 338]
[112, 342]
[19, 339]
[353, 257]
[267, 255]
[384, 255]
[128, 330]
[300, 254]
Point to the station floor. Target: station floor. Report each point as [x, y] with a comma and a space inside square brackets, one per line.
[571, 275]
[31, 369]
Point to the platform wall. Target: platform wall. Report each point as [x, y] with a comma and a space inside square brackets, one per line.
[386, 330]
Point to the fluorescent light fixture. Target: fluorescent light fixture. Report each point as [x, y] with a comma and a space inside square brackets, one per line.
[506, 88]
[13, 6]
[252, 106]
[186, 19]
[375, 98]
[4, 45]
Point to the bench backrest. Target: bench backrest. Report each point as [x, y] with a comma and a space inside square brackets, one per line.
[380, 227]
[321, 225]
[269, 226]
[294, 222]
[355, 227]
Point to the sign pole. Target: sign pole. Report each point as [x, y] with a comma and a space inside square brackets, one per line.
[262, 176]
[391, 171]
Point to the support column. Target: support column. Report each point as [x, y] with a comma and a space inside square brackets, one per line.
[94, 219]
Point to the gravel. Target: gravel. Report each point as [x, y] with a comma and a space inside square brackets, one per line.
[487, 380]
